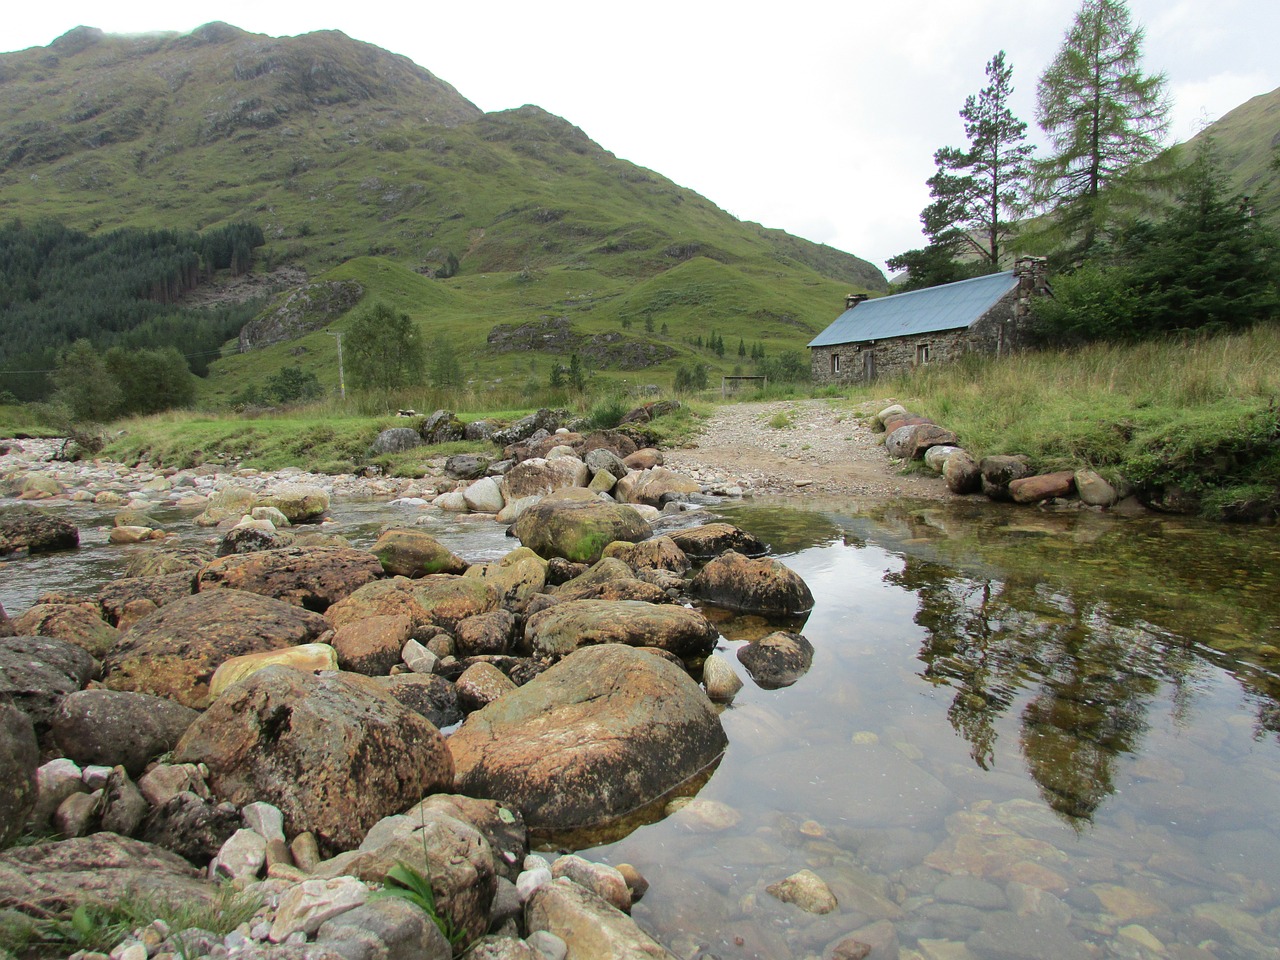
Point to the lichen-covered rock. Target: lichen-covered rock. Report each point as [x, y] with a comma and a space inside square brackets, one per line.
[394, 440]
[1094, 490]
[50, 879]
[229, 503]
[588, 925]
[71, 622]
[561, 629]
[1000, 471]
[37, 672]
[335, 752]
[653, 486]
[415, 553]
[538, 476]
[308, 657]
[19, 758]
[658, 553]
[26, 528]
[382, 598]
[442, 427]
[301, 503]
[6, 625]
[1043, 486]
[174, 652]
[778, 660]
[603, 733]
[115, 596]
[516, 578]
[372, 646]
[313, 578]
[428, 694]
[448, 600]
[713, 539]
[485, 633]
[578, 530]
[761, 586]
[112, 728]
[961, 474]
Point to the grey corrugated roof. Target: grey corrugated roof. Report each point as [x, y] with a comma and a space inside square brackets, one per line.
[947, 307]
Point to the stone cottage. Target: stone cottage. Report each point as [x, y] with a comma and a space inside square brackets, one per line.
[891, 335]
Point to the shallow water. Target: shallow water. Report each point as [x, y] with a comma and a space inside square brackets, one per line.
[1024, 735]
[1037, 734]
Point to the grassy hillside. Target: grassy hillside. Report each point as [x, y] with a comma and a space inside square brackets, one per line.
[1247, 144]
[341, 150]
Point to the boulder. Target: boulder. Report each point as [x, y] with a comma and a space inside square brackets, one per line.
[888, 413]
[192, 826]
[537, 476]
[926, 437]
[37, 672]
[26, 528]
[6, 625]
[578, 530]
[19, 758]
[1094, 490]
[588, 925]
[645, 458]
[301, 503]
[935, 458]
[777, 660]
[121, 535]
[623, 588]
[174, 651]
[372, 646]
[251, 536]
[713, 539]
[466, 466]
[115, 596]
[394, 440]
[480, 685]
[560, 630]
[516, 577]
[112, 728]
[806, 890]
[526, 427]
[478, 430]
[578, 746]
[51, 879]
[429, 839]
[603, 459]
[442, 427]
[658, 553]
[393, 597]
[313, 578]
[485, 633]
[389, 928]
[1043, 486]
[761, 586]
[654, 486]
[998, 472]
[484, 496]
[961, 474]
[71, 622]
[335, 752]
[432, 696]
[307, 657]
[448, 600]
[164, 561]
[229, 503]
[415, 553]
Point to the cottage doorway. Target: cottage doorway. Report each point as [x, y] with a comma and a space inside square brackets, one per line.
[868, 366]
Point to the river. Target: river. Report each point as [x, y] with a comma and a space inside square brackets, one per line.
[1025, 734]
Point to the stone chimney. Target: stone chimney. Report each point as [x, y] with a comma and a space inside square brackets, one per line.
[853, 299]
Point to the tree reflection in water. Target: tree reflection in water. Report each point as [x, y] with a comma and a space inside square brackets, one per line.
[1086, 681]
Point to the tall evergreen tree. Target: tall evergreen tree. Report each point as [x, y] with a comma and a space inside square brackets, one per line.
[976, 192]
[1103, 116]
[384, 349]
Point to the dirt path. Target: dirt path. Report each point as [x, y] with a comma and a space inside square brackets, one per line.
[823, 451]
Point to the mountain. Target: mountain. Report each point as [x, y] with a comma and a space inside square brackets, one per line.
[359, 165]
[1246, 143]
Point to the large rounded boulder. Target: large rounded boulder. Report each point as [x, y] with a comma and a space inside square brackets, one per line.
[578, 530]
[603, 733]
[313, 578]
[415, 553]
[713, 539]
[174, 652]
[300, 502]
[37, 672]
[761, 586]
[110, 728]
[26, 528]
[71, 622]
[448, 600]
[333, 751]
[561, 629]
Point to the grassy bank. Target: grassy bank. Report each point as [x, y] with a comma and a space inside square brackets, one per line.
[1200, 415]
[333, 437]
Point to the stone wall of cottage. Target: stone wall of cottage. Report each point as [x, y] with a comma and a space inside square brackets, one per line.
[902, 354]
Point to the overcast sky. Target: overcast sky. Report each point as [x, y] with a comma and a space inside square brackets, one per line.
[815, 116]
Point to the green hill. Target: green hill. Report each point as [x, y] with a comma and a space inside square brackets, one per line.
[360, 165]
[1246, 143]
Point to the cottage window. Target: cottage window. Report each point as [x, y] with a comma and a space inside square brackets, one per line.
[922, 353]
[835, 363]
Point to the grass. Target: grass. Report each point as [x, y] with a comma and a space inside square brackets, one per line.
[782, 420]
[1201, 414]
[97, 927]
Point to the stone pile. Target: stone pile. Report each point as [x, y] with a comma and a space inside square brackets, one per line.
[1002, 478]
[275, 718]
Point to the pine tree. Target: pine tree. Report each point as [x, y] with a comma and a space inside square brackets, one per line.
[1103, 116]
[976, 192]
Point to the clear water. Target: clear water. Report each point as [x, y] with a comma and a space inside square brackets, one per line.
[1023, 735]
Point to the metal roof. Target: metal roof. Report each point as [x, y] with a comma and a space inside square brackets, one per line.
[950, 306]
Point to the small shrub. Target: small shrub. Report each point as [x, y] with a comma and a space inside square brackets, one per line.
[408, 883]
[607, 412]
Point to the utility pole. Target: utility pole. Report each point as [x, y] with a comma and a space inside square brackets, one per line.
[342, 379]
